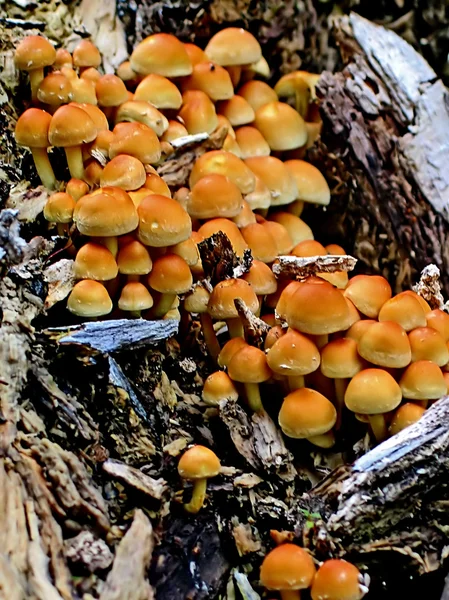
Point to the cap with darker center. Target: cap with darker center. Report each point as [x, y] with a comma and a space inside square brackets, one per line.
[198, 463]
[257, 93]
[223, 163]
[217, 387]
[159, 91]
[368, 293]
[198, 112]
[275, 176]
[281, 126]
[33, 54]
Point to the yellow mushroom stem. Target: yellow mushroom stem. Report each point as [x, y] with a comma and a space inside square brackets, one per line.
[252, 393]
[324, 440]
[36, 78]
[296, 382]
[198, 496]
[164, 305]
[209, 335]
[340, 389]
[378, 426]
[75, 161]
[235, 327]
[109, 242]
[63, 229]
[44, 168]
[290, 595]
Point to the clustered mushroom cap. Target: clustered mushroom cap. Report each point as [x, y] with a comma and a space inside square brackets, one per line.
[135, 297]
[257, 93]
[159, 91]
[281, 126]
[221, 302]
[32, 128]
[386, 344]
[224, 163]
[249, 365]
[372, 392]
[368, 293]
[306, 413]
[95, 261]
[170, 275]
[198, 112]
[293, 354]
[163, 221]
[89, 299]
[34, 52]
[340, 359]
[163, 54]
[103, 214]
[211, 79]
[214, 196]
[219, 386]
[71, 126]
[233, 46]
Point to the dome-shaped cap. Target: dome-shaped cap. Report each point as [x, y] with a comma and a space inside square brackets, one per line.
[372, 392]
[32, 128]
[71, 126]
[86, 54]
[162, 221]
[198, 462]
[102, 214]
[221, 301]
[338, 579]
[233, 46]
[89, 299]
[34, 52]
[161, 53]
[306, 413]
[94, 261]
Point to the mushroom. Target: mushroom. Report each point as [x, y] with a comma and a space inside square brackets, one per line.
[92, 74]
[86, 55]
[175, 130]
[32, 131]
[439, 320]
[59, 209]
[55, 89]
[214, 196]
[386, 344]
[134, 260]
[311, 184]
[246, 216]
[281, 126]
[156, 185]
[251, 142]
[198, 112]
[249, 366]
[281, 236]
[262, 280]
[211, 79]
[221, 303]
[338, 579]
[83, 91]
[227, 227]
[224, 163]
[217, 387]
[301, 86]
[97, 116]
[125, 172]
[237, 110]
[405, 310]
[95, 261]
[111, 92]
[170, 276]
[70, 127]
[197, 464]
[358, 328]
[288, 569]
[406, 415]
[307, 414]
[89, 299]
[298, 230]
[142, 112]
[275, 176]
[33, 54]
[196, 54]
[229, 349]
[368, 293]
[233, 46]
[293, 355]
[134, 298]
[163, 54]
[257, 93]
[162, 222]
[77, 188]
[340, 362]
[423, 381]
[428, 344]
[159, 91]
[311, 248]
[260, 241]
[63, 59]
[373, 392]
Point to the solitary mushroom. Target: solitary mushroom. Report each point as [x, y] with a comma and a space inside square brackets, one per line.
[197, 464]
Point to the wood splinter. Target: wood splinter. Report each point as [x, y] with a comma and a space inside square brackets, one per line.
[300, 267]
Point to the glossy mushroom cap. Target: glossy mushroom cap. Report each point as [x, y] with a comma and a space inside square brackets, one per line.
[162, 221]
[198, 462]
[221, 302]
[372, 392]
[298, 230]
[95, 261]
[281, 126]
[406, 415]
[386, 344]
[170, 275]
[261, 278]
[311, 184]
[338, 579]
[59, 208]
[260, 241]
[71, 126]
[125, 172]
[233, 46]
[314, 307]
[55, 89]
[89, 299]
[214, 196]
[159, 91]
[249, 365]
[257, 93]
[211, 79]
[111, 91]
[97, 115]
[32, 128]
[306, 413]
[287, 567]
[196, 54]
[218, 386]
[368, 293]
[142, 112]
[103, 214]
[34, 52]
[439, 320]
[293, 354]
[428, 344]
[423, 380]
[135, 297]
[237, 110]
[137, 140]
[224, 163]
[275, 176]
[358, 328]
[251, 142]
[198, 112]
[134, 259]
[340, 359]
[86, 54]
[163, 54]
[405, 310]
[229, 349]
[281, 236]
[227, 227]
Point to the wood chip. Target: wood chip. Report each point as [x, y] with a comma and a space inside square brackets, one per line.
[300, 267]
[135, 478]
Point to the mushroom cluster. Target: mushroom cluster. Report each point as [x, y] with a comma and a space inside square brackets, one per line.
[335, 344]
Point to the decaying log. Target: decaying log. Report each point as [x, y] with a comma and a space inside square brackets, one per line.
[386, 132]
[391, 502]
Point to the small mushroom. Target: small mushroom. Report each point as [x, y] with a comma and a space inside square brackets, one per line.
[211, 79]
[159, 91]
[135, 298]
[170, 276]
[59, 209]
[95, 261]
[423, 381]
[338, 579]
[198, 112]
[217, 387]
[221, 303]
[86, 55]
[198, 464]
[233, 46]
[249, 366]
[287, 569]
[89, 299]
[257, 93]
[281, 126]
